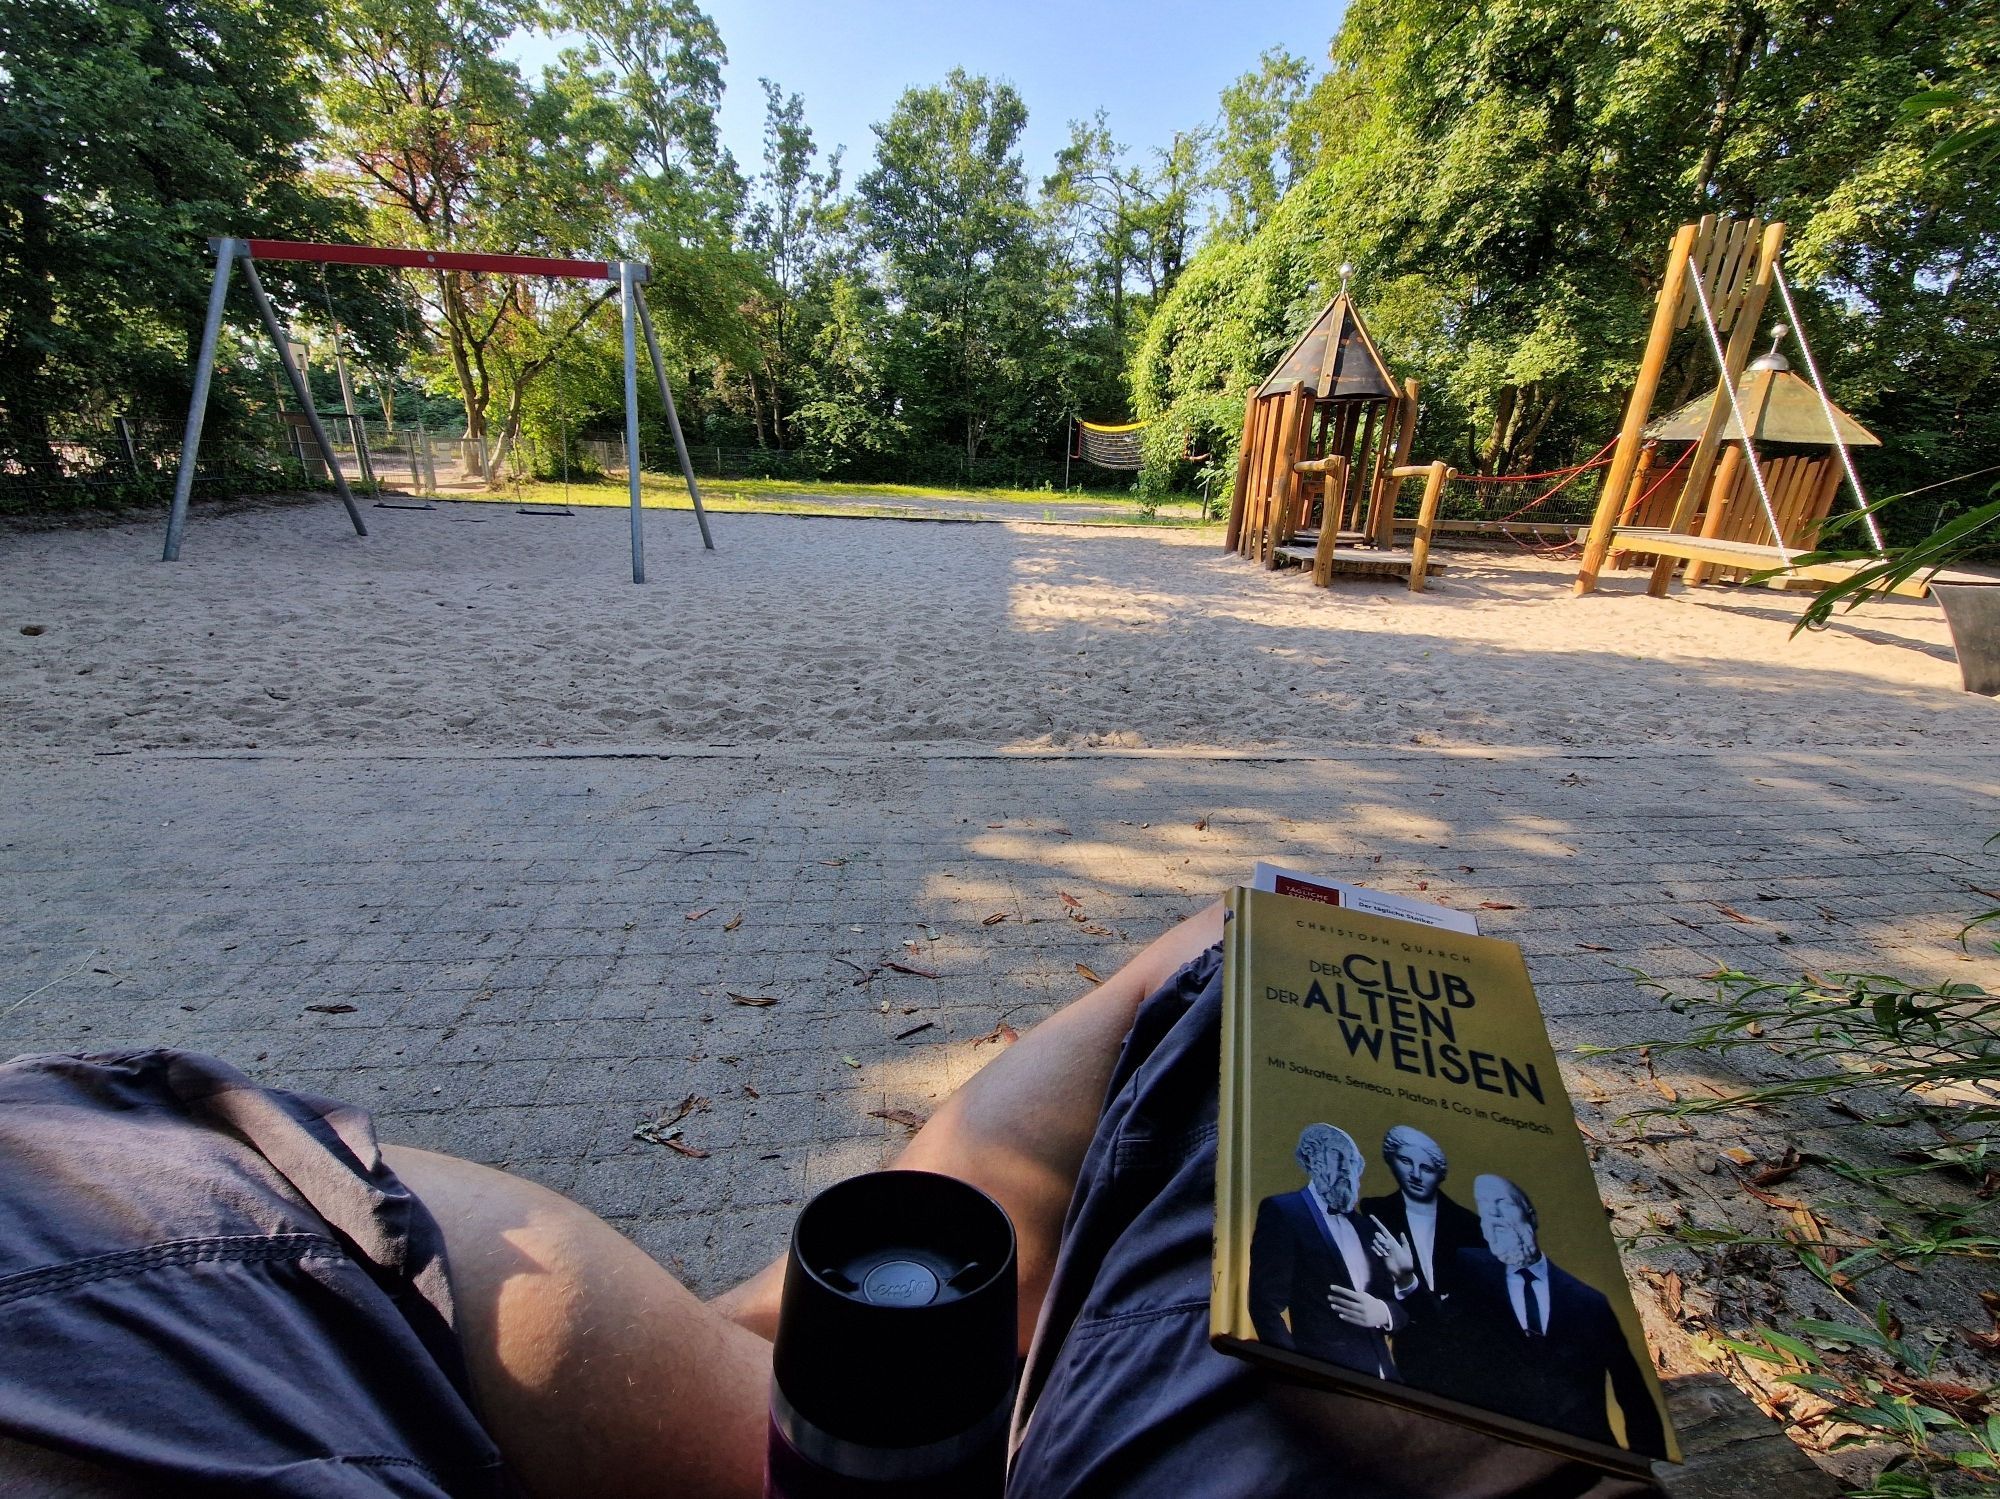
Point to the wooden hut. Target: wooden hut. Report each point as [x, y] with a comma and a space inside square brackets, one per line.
[1795, 457]
[1323, 437]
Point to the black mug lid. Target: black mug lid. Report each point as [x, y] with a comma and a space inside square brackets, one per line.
[898, 1322]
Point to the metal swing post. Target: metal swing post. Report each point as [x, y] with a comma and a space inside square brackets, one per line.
[627, 294]
[211, 331]
[269, 317]
[674, 423]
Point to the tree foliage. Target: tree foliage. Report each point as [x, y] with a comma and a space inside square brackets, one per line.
[130, 131]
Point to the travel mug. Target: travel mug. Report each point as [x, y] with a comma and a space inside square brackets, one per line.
[893, 1367]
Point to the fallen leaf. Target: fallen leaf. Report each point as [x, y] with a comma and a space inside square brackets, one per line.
[754, 1001]
[995, 919]
[1738, 1155]
[851, 1062]
[1003, 1033]
[1988, 1342]
[1784, 1167]
[899, 1116]
[1595, 947]
[1201, 825]
[1088, 972]
[1691, 926]
[697, 915]
[1426, 884]
[1666, 1091]
[913, 1030]
[1070, 900]
[1092, 929]
[1733, 914]
[331, 1009]
[1497, 905]
[733, 923]
[686, 1149]
[750, 1092]
[922, 973]
[833, 863]
[1061, 832]
[996, 824]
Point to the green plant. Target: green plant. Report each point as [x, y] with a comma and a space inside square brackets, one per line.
[1887, 1052]
[1882, 1386]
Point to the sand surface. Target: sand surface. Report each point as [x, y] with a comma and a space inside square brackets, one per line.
[474, 626]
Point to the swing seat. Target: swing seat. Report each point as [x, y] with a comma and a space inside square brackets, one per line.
[1660, 542]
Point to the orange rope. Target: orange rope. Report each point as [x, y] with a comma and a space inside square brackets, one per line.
[1597, 460]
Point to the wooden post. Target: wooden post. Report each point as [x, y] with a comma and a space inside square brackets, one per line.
[1359, 465]
[1420, 544]
[1742, 335]
[1382, 511]
[1728, 474]
[1633, 492]
[1294, 426]
[1329, 536]
[1640, 405]
[1243, 460]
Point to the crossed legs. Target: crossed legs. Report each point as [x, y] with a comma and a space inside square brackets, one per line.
[597, 1371]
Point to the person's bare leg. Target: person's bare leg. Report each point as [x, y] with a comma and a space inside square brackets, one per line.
[1019, 1127]
[596, 1371]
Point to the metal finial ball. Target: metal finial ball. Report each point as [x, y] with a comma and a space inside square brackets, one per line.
[1346, 270]
[1778, 334]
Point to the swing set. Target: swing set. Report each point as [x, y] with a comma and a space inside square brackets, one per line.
[1725, 269]
[630, 277]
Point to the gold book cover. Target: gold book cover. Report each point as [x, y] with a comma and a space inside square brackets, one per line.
[1403, 1205]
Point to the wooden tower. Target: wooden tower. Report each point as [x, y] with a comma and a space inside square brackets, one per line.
[1332, 397]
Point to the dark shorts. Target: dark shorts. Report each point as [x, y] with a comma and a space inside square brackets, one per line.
[212, 1287]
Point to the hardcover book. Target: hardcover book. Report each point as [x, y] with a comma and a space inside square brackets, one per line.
[1403, 1205]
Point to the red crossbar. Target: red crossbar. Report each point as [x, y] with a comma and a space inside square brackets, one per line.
[434, 260]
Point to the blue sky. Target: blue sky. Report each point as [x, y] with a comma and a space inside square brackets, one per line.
[1155, 67]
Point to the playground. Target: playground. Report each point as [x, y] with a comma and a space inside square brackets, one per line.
[477, 625]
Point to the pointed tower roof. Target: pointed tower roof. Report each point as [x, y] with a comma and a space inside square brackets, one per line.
[1337, 358]
[1781, 408]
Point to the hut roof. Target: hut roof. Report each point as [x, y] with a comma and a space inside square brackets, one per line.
[1337, 358]
[1782, 407]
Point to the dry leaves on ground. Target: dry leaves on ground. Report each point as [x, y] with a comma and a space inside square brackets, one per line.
[903, 1117]
[1003, 1033]
[754, 1001]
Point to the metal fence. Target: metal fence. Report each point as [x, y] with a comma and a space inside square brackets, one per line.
[127, 462]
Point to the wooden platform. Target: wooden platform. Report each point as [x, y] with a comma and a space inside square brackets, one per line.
[1360, 561]
[1660, 542]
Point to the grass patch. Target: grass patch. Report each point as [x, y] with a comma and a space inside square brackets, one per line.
[794, 497]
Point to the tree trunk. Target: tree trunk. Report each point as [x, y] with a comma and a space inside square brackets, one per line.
[1494, 452]
[510, 428]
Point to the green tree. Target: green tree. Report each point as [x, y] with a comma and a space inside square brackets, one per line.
[976, 301]
[129, 133]
[1505, 179]
[1259, 151]
[794, 230]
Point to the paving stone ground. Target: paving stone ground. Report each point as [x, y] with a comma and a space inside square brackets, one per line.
[520, 957]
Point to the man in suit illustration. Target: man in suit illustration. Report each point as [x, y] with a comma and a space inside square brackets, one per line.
[1532, 1340]
[1429, 1229]
[1317, 1283]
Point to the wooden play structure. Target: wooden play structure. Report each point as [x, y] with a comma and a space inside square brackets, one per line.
[1798, 464]
[1325, 449]
[1721, 506]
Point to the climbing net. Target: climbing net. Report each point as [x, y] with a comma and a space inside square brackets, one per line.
[1109, 447]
